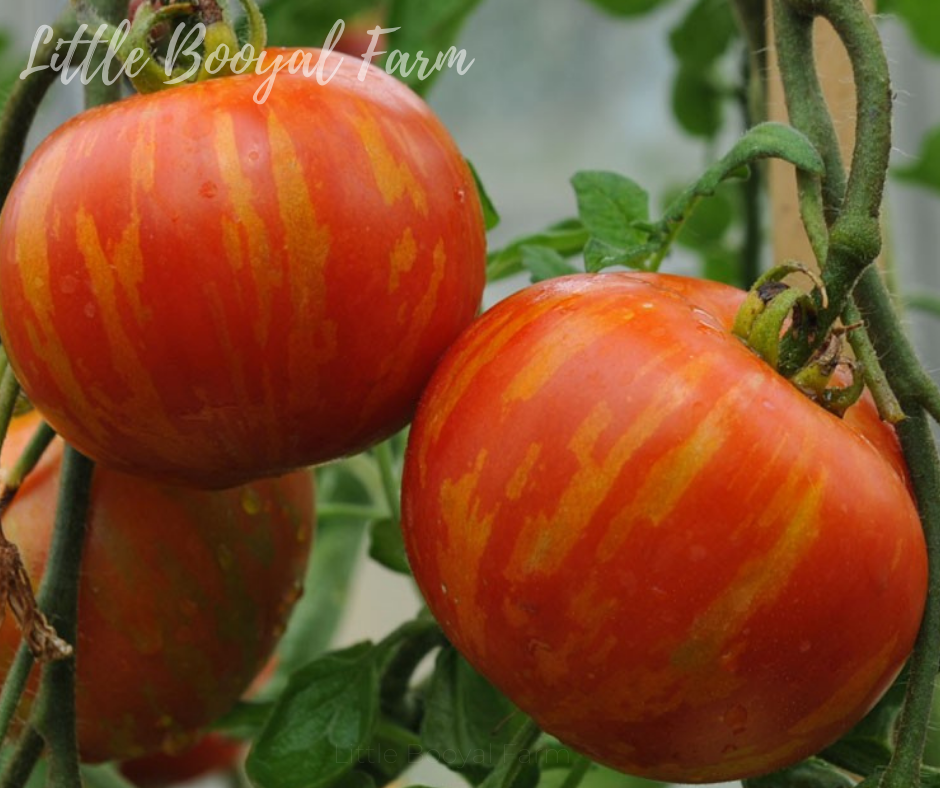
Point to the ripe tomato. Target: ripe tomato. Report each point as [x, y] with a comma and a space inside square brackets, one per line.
[182, 598]
[202, 289]
[212, 753]
[650, 541]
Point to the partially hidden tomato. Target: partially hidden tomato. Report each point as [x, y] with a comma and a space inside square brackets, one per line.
[656, 546]
[211, 754]
[203, 289]
[183, 595]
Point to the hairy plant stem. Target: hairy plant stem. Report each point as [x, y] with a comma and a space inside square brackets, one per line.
[21, 764]
[852, 209]
[53, 714]
[27, 94]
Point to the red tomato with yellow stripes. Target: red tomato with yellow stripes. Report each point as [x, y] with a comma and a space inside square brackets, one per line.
[203, 289]
[650, 541]
[183, 595]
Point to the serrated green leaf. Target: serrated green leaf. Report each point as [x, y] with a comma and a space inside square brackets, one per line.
[609, 204]
[926, 170]
[320, 724]
[490, 215]
[467, 722]
[696, 103]
[922, 18]
[629, 8]
[387, 547]
[704, 33]
[598, 255]
[545, 263]
[430, 27]
[813, 773]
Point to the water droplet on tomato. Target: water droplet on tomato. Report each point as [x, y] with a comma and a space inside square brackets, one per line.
[253, 155]
[443, 589]
[805, 646]
[729, 748]
[209, 189]
[537, 645]
[68, 284]
[90, 310]
[251, 501]
[461, 195]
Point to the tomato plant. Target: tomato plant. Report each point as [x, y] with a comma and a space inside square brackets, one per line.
[203, 289]
[658, 523]
[183, 596]
[652, 543]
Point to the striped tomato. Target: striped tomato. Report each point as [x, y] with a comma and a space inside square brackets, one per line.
[651, 542]
[203, 289]
[183, 595]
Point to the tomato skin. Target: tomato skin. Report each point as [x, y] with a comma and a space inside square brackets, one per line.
[212, 753]
[205, 290]
[652, 543]
[182, 598]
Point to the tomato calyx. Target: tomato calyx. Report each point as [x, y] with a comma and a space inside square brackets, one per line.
[172, 56]
[777, 318]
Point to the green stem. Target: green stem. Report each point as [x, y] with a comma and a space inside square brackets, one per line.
[54, 711]
[9, 391]
[888, 406]
[577, 772]
[852, 211]
[397, 675]
[14, 685]
[25, 463]
[511, 762]
[24, 100]
[920, 451]
[21, 764]
[386, 461]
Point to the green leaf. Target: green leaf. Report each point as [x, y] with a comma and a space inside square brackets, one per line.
[922, 18]
[696, 102]
[430, 27]
[567, 238]
[609, 204]
[490, 215]
[291, 23]
[545, 263]
[467, 722]
[629, 7]
[598, 255]
[320, 724]
[704, 34]
[926, 170]
[813, 773]
[387, 546]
